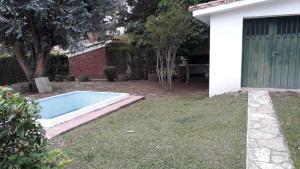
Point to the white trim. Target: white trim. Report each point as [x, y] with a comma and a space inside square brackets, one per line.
[203, 14]
[89, 49]
[47, 123]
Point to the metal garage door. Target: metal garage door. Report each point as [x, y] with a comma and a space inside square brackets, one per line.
[271, 53]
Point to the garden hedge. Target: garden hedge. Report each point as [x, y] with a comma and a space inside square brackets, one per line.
[11, 72]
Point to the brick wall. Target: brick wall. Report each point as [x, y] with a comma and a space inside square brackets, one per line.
[91, 63]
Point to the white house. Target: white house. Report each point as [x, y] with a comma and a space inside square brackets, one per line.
[253, 43]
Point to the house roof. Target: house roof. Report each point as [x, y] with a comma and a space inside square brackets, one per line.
[210, 4]
[88, 46]
[204, 10]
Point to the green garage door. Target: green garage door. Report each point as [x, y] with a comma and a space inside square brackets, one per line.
[271, 53]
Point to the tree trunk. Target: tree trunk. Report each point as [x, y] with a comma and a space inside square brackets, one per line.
[40, 51]
[165, 66]
[41, 63]
[22, 60]
[188, 71]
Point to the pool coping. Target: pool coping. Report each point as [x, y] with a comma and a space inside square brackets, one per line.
[78, 121]
[47, 123]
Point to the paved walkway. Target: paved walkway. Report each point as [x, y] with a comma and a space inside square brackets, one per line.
[266, 148]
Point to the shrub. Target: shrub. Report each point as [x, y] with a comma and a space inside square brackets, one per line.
[83, 78]
[59, 78]
[22, 138]
[110, 73]
[11, 72]
[54, 159]
[70, 78]
[57, 64]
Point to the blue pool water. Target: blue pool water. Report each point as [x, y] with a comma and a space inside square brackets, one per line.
[59, 105]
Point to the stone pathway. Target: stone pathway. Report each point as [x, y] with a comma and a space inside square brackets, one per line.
[266, 148]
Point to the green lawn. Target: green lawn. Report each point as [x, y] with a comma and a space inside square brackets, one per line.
[167, 132]
[287, 106]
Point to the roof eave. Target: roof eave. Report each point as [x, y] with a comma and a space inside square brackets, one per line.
[204, 14]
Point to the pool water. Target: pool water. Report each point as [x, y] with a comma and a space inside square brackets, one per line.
[64, 107]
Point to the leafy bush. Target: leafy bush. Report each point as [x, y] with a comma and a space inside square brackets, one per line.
[70, 78]
[54, 159]
[110, 73]
[11, 72]
[22, 138]
[58, 64]
[59, 78]
[83, 78]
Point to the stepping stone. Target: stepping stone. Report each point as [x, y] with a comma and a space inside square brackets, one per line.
[43, 84]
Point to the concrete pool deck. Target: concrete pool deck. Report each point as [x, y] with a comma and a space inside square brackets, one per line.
[76, 122]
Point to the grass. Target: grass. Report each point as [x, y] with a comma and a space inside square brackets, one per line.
[287, 106]
[167, 132]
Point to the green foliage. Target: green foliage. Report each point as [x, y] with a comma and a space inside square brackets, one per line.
[32, 28]
[55, 159]
[11, 72]
[110, 73]
[195, 36]
[167, 30]
[118, 56]
[170, 27]
[104, 17]
[22, 138]
[58, 64]
[136, 62]
[56, 22]
[136, 18]
[142, 9]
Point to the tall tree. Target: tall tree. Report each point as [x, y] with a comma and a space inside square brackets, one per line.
[198, 35]
[33, 27]
[135, 18]
[105, 17]
[141, 10]
[167, 31]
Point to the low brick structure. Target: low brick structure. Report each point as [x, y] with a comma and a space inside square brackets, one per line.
[89, 62]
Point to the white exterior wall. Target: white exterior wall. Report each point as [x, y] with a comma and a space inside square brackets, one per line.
[226, 41]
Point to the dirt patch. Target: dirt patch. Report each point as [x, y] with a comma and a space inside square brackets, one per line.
[148, 89]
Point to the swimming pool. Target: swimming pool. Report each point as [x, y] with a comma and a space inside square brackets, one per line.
[62, 108]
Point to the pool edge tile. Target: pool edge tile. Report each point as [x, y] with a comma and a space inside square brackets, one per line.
[76, 122]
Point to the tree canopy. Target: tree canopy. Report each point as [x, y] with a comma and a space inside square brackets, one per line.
[136, 18]
[167, 30]
[32, 27]
[168, 27]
